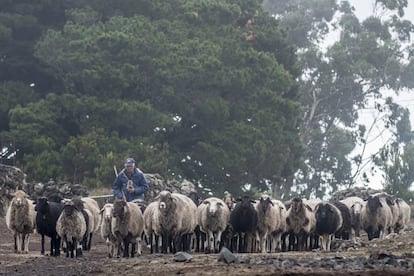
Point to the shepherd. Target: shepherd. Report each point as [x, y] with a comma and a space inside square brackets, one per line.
[130, 184]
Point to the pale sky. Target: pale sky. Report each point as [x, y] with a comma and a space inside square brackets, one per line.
[378, 137]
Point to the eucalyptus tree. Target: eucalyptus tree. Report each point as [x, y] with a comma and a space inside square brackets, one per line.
[396, 158]
[341, 77]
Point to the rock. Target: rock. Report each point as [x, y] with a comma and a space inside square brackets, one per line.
[182, 257]
[380, 254]
[226, 256]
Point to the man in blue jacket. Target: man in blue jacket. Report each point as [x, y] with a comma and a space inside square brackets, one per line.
[130, 182]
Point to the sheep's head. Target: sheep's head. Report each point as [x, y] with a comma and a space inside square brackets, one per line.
[229, 200]
[213, 207]
[356, 208]
[322, 210]
[245, 201]
[297, 205]
[41, 204]
[19, 198]
[265, 203]
[69, 207]
[165, 200]
[119, 209]
[107, 212]
[373, 203]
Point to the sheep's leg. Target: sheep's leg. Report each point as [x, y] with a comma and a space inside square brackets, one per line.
[126, 248]
[57, 246]
[164, 243]
[42, 245]
[330, 238]
[218, 241]
[210, 242]
[89, 242]
[203, 240]
[66, 242]
[78, 247]
[19, 242]
[133, 249]
[263, 243]
[257, 240]
[139, 246]
[52, 246]
[156, 243]
[111, 250]
[26, 240]
[188, 242]
[15, 242]
[177, 246]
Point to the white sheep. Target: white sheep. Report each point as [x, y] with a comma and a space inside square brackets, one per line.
[276, 235]
[267, 221]
[21, 220]
[90, 222]
[127, 227]
[151, 225]
[177, 216]
[404, 215]
[376, 217]
[354, 205]
[312, 202]
[93, 206]
[213, 217]
[395, 210]
[71, 228]
[106, 228]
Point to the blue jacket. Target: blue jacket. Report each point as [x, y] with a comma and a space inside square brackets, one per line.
[138, 180]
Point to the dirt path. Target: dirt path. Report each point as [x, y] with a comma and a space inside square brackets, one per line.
[393, 256]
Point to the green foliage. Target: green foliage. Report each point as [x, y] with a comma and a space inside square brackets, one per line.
[217, 92]
[202, 90]
[338, 79]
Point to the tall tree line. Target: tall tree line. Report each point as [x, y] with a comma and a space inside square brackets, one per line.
[228, 94]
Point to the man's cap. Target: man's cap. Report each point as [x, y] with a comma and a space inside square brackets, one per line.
[129, 162]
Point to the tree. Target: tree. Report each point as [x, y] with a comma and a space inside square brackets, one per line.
[338, 79]
[396, 159]
[221, 71]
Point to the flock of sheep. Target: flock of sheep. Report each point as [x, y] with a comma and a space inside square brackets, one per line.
[176, 222]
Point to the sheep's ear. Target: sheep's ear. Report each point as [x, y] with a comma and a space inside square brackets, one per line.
[157, 197]
[206, 202]
[220, 204]
[271, 202]
[308, 207]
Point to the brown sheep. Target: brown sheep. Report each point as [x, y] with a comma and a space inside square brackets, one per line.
[21, 220]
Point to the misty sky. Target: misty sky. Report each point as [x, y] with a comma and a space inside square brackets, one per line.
[379, 137]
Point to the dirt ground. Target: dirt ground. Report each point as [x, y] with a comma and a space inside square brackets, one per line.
[392, 256]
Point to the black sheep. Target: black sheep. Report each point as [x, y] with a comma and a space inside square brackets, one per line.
[328, 221]
[243, 220]
[46, 217]
[345, 231]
